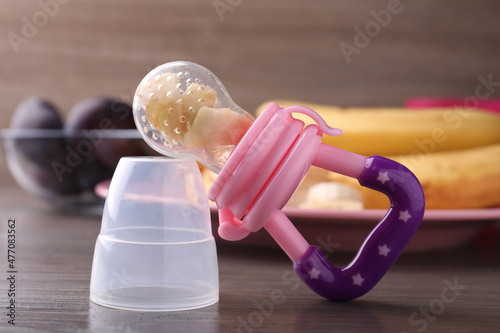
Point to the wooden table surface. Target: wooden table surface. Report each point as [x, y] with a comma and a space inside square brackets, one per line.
[452, 290]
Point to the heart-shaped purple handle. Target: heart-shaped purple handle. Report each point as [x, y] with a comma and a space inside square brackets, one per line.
[384, 244]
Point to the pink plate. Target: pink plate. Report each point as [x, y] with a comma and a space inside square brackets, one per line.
[345, 230]
[101, 189]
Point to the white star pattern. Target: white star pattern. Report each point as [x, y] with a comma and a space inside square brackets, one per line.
[313, 273]
[357, 280]
[404, 215]
[383, 177]
[383, 250]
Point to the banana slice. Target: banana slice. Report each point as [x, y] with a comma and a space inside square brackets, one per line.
[333, 195]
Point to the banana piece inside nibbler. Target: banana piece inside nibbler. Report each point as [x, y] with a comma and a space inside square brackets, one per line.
[190, 117]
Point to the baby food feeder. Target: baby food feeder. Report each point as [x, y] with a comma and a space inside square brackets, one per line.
[259, 176]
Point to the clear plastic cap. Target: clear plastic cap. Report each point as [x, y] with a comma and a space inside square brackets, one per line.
[155, 250]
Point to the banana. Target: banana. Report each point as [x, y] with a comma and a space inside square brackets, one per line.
[332, 195]
[459, 179]
[399, 131]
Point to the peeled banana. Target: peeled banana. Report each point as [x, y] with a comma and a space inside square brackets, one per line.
[399, 131]
[455, 152]
[332, 195]
[458, 179]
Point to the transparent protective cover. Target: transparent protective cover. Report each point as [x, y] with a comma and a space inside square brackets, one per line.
[155, 250]
[182, 110]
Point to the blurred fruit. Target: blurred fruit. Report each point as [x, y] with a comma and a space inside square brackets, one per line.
[197, 96]
[90, 119]
[110, 151]
[216, 127]
[47, 179]
[399, 131]
[171, 110]
[332, 195]
[100, 113]
[36, 113]
[163, 105]
[53, 159]
[90, 172]
[456, 179]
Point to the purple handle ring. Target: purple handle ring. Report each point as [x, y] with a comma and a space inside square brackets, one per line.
[384, 244]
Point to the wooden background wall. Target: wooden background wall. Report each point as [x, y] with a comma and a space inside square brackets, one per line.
[260, 49]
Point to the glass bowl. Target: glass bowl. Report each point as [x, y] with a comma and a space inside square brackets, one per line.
[63, 168]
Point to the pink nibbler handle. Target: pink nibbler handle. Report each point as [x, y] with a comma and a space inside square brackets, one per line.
[266, 168]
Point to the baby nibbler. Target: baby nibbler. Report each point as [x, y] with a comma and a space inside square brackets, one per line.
[182, 109]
